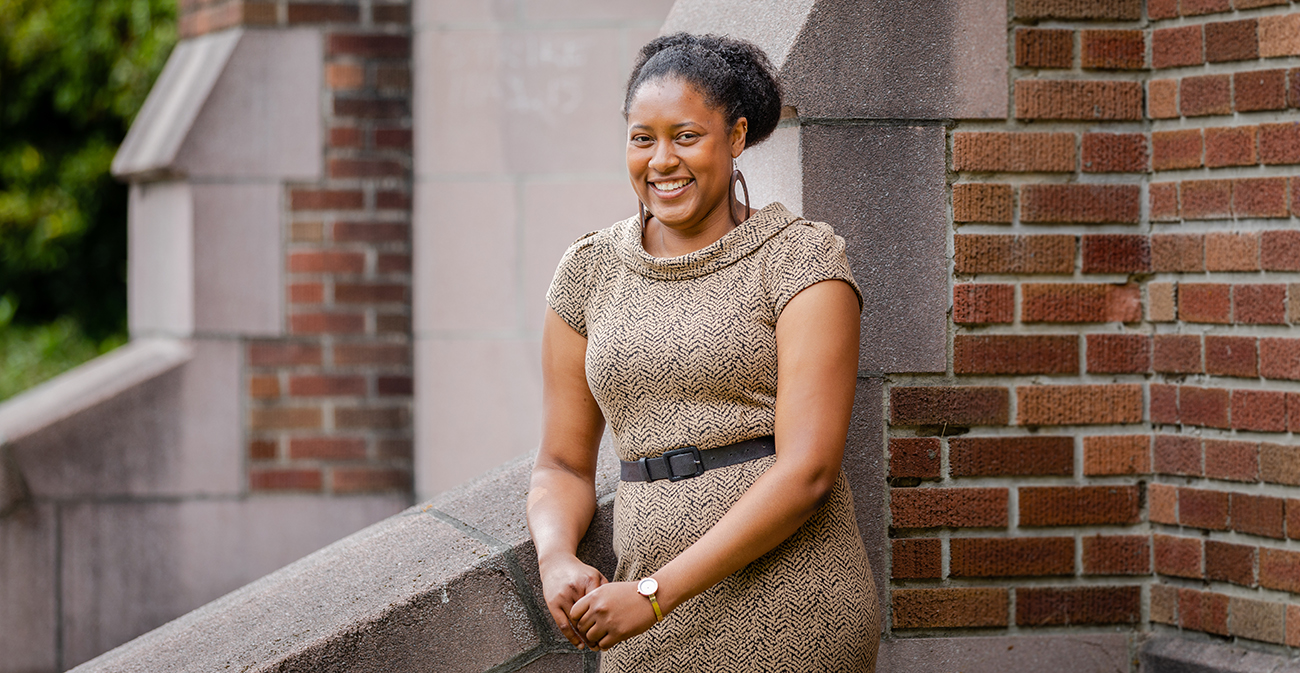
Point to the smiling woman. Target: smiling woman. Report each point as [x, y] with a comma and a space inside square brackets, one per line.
[733, 524]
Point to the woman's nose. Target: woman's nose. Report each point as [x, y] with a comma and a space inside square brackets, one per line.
[664, 159]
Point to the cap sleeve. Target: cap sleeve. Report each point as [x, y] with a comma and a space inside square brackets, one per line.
[571, 286]
[804, 254]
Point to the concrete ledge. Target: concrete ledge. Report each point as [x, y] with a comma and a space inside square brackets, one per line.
[1167, 654]
[450, 585]
[1092, 653]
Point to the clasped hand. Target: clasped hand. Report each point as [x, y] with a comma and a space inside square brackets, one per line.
[590, 610]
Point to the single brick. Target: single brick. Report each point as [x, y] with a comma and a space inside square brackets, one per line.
[1231, 460]
[1013, 152]
[1280, 464]
[1280, 143]
[1115, 153]
[284, 479]
[369, 45]
[1230, 146]
[1177, 556]
[395, 385]
[1231, 41]
[1079, 404]
[1295, 196]
[358, 479]
[316, 12]
[1261, 410]
[915, 559]
[1178, 454]
[1119, 353]
[948, 507]
[391, 14]
[1279, 358]
[1177, 252]
[1162, 504]
[1203, 406]
[1259, 90]
[1231, 356]
[306, 232]
[1279, 35]
[327, 262]
[980, 304]
[1292, 625]
[1116, 454]
[1162, 99]
[327, 323]
[1226, 562]
[1279, 569]
[1293, 518]
[1203, 509]
[1252, 4]
[1015, 354]
[1081, 100]
[1013, 557]
[1172, 47]
[1205, 95]
[1164, 602]
[372, 354]
[284, 418]
[1280, 250]
[371, 108]
[1259, 304]
[262, 449]
[326, 386]
[1044, 48]
[392, 200]
[981, 202]
[1162, 197]
[343, 76]
[1257, 620]
[948, 405]
[264, 387]
[1259, 197]
[916, 457]
[1177, 353]
[1176, 149]
[1074, 203]
[1205, 302]
[370, 293]
[326, 199]
[282, 354]
[372, 232]
[998, 456]
[1206, 199]
[1002, 253]
[1293, 86]
[1080, 302]
[1062, 606]
[1199, 7]
[306, 293]
[1203, 611]
[949, 608]
[1116, 555]
[327, 448]
[382, 418]
[1164, 404]
[365, 168]
[1161, 306]
[1122, 10]
[1116, 253]
[1114, 49]
[1258, 515]
[1079, 505]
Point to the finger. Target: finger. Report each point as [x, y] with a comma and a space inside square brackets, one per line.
[579, 609]
[562, 621]
[581, 637]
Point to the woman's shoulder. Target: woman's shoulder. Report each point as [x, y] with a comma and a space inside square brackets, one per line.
[805, 237]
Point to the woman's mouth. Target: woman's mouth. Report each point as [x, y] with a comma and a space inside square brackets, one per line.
[667, 189]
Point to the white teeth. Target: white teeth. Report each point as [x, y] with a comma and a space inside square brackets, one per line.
[670, 186]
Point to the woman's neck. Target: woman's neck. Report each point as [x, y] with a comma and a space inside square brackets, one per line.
[660, 240]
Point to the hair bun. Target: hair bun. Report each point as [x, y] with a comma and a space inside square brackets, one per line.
[734, 75]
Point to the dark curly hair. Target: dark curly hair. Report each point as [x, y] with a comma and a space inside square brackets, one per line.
[734, 76]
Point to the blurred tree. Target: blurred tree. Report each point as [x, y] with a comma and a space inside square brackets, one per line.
[73, 73]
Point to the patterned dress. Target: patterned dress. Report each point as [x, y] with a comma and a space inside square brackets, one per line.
[682, 351]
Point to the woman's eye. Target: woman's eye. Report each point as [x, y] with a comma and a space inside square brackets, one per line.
[688, 136]
[640, 139]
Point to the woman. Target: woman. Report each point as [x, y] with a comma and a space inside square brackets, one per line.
[736, 550]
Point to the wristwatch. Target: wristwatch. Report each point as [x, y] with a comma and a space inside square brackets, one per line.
[648, 587]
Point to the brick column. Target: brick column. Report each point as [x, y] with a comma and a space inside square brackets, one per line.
[329, 404]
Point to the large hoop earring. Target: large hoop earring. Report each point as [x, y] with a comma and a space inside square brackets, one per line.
[737, 176]
[641, 210]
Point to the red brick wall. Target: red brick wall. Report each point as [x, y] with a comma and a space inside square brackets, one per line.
[329, 406]
[1111, 445]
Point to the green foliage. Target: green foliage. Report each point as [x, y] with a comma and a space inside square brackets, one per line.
[73, 73]
[33, 353]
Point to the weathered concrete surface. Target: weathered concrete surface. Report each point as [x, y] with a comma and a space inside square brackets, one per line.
[882, 188]
[864, 465]
[28, 601]
[876, 59]
[450, 585]
[1094, 653]
[1168, 654]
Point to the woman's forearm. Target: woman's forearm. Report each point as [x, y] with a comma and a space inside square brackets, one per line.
[561, 505]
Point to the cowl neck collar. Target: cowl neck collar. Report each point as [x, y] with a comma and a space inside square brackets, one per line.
[734, 245]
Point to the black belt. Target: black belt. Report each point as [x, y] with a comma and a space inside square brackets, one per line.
[689, 461]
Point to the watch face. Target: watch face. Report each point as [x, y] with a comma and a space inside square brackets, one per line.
[647, 586]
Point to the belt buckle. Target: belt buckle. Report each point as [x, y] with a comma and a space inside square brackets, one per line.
[696, 461]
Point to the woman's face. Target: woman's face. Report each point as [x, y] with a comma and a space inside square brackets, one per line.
[679, 154]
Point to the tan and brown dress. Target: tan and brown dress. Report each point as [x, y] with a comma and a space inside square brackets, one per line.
[681, 351]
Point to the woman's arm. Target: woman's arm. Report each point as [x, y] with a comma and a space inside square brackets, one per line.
[817, 361]
[562, 493]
